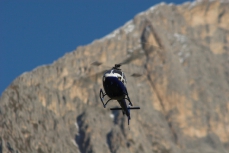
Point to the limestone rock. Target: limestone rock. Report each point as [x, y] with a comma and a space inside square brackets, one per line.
[183, 93]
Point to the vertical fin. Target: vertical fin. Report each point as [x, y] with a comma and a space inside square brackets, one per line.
[129, 122]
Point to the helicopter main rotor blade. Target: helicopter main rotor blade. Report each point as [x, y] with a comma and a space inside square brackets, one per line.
[152, 48]
[93, 77]
[96, 63]
[136, 75]
[138, 53]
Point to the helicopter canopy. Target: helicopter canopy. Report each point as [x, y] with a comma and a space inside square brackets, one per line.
[115, 73]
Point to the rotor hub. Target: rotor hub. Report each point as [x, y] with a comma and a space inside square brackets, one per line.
[117, 66]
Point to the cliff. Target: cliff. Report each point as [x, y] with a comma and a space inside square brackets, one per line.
[183, 92]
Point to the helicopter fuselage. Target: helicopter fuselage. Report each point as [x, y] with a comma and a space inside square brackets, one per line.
[114, 88]
[114, 84]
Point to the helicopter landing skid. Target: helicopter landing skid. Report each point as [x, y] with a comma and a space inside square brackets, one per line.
[130, 103]
[102, 95]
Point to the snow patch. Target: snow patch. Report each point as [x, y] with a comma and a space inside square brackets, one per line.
[152, 8]
[129, 26]
[193, 4]
[112, 35]
[180, 38]
[181, 60]
[74, 143]
[77, 127]
[162, 3]
[183, 54]
[171, 4]
[112, 116]
[131, 50]
[199, 1]
[141, 13]
[196, 2]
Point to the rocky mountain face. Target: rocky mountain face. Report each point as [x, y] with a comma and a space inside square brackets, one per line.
[182, 52]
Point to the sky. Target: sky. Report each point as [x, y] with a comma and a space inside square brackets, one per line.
[38, 32]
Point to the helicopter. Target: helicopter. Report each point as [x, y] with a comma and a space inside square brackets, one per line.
[114, 84]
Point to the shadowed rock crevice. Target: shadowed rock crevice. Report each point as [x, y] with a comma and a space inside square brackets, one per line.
[1, 145]
[115, 139]
[109, 142]
[10, 149]
[147, 48]
[149, 30]
[116, 115]
[82, 138]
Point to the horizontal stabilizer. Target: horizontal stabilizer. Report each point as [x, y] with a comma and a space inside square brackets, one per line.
[134, 108]
[116, 108]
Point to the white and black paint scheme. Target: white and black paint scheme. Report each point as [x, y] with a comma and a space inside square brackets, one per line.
[114, 84]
